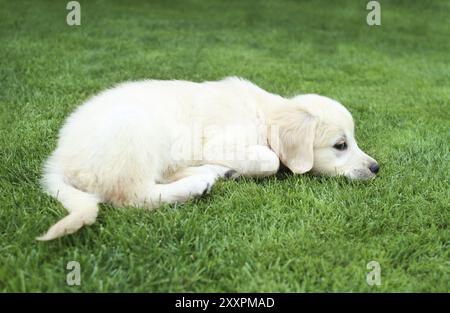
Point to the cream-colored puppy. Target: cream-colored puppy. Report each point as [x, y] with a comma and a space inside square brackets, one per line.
[151, 142]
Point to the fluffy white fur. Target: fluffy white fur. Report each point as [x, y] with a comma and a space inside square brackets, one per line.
[137, 144]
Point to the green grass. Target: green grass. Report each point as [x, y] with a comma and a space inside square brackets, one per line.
[284, 233]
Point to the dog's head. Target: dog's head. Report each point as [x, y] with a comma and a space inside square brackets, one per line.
[315, 133]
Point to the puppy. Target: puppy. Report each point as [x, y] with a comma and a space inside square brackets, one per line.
[151, 142]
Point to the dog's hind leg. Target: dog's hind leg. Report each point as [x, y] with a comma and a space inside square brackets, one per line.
[191, 182]
[207, 169]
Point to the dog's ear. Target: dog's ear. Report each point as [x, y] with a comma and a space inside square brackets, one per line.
[291, 137]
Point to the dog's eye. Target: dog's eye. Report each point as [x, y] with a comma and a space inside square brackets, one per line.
[340, 146]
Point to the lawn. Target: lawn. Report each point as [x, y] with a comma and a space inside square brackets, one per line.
[281, 234]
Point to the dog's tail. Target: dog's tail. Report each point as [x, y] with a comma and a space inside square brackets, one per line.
[82, 206]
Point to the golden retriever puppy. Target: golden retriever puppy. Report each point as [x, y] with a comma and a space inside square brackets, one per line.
[151, 142]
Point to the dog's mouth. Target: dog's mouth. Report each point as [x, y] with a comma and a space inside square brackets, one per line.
[356, 174]
[360, 174]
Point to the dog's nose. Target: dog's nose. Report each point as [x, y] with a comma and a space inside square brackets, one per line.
[374, 168]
